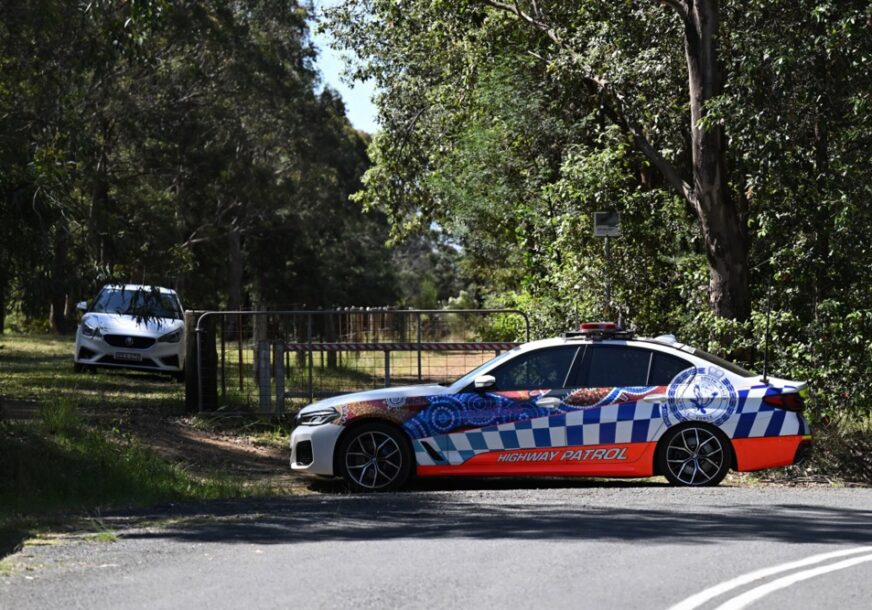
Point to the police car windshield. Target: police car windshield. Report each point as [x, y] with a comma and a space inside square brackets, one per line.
[724, 364]
[471, 375]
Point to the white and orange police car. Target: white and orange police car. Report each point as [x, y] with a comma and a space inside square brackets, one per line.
[597, 402]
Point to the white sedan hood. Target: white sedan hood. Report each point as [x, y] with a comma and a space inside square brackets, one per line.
[410, 391]
[120, 324]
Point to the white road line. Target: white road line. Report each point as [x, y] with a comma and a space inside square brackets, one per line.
[695, 601]
[749, 597]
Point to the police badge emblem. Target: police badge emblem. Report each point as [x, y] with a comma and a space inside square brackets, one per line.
[700, 394]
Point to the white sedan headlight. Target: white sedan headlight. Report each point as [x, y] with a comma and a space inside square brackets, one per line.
[90, 331]
[173, 337]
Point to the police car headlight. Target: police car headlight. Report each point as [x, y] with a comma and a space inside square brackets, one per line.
[317, 418]
[173, 337]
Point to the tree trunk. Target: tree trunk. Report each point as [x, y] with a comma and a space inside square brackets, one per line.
[234, 291]
[3, 281]
[725, 234]
[58, 291]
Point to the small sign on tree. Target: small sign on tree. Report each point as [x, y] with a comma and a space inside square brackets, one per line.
[606, 224]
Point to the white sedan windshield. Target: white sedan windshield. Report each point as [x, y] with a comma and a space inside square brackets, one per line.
[137, 302]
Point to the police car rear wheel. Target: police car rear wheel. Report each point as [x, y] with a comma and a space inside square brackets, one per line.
[375, 457]
[695, 455]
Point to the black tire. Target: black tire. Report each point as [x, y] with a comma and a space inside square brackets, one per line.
[694, 455]
[374, 456]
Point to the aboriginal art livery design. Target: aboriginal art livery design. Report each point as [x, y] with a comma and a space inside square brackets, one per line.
[396, 409]
[450, 429]
[599, 397]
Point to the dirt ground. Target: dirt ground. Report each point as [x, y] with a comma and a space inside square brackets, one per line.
[249, 457]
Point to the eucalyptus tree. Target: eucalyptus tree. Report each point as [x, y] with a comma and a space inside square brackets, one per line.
[178, 143]
[671, 76]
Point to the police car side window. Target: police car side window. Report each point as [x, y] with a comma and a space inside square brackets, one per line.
[542, 369]
[611, 366]
[664, 368]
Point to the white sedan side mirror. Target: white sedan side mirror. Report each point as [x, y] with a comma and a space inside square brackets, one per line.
[82, 305]
[485, 381]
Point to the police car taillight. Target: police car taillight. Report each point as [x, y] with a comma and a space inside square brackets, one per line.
[790, 401]
[587, 327]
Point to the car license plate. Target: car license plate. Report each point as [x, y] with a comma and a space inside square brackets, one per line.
[128, 356]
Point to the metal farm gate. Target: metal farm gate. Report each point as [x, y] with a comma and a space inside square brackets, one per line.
[274, 361]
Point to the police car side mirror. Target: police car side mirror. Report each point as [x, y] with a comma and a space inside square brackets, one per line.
[82, 305]
[485, 381]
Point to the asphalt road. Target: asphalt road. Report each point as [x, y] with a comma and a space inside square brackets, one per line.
[472, 544]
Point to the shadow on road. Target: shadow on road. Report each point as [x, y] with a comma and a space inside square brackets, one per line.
[431, 514]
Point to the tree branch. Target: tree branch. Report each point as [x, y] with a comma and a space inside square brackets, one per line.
[679, 6]
[613, 107]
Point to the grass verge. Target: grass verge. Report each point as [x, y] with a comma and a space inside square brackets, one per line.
[38, 369]
[56, 467]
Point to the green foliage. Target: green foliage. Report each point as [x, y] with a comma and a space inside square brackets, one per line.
[178, 144]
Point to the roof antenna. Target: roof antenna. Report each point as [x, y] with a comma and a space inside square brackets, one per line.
[766, 336]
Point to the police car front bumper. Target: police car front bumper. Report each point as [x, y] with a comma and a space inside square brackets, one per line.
[312, 448]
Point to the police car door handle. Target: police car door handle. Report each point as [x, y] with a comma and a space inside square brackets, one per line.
[548, 401]
[654, 398]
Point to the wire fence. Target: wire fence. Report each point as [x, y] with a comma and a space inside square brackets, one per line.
[271, 361]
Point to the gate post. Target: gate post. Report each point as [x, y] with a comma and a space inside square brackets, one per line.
[418, 316]
[259, 333]
[263, 373]
[387, 368]
[192, 392]
[279, 374]
[201, 363]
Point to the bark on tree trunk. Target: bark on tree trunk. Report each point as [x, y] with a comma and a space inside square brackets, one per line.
[234, 280]
[235, 276]
[3, 280]
[58, 292]
[725, 234]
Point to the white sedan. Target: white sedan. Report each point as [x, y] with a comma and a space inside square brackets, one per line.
[132, 326]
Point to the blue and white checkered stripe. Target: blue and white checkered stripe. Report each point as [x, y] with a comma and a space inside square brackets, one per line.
[754, 418]
[631, 422]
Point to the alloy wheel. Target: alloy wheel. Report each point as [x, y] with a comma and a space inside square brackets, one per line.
[696, 456]
[374, 460]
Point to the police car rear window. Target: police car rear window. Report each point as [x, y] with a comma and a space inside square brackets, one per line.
[724, 364]
[664, 368]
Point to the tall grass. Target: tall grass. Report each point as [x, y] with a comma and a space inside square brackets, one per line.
[58, 464]
[843, 448]
[59, 417]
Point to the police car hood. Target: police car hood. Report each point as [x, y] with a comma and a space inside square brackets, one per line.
[123, 324]
[411, 391]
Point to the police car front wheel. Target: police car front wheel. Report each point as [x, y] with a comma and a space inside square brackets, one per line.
[374, 457]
